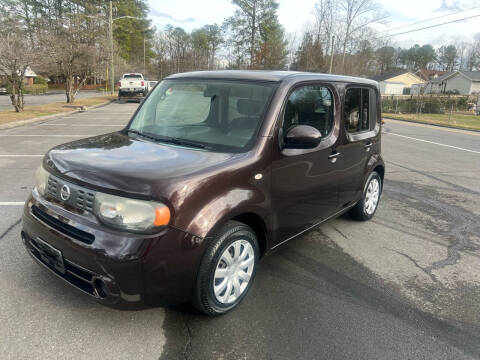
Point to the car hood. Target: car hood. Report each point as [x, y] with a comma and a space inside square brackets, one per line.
[117, 162]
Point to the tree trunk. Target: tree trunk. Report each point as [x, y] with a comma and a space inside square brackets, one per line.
[252, 39]
[16, 97]
[69, 90]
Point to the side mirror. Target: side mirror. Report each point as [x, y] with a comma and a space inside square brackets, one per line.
[302, 137]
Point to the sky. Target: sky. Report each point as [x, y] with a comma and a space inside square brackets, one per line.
[294, 14]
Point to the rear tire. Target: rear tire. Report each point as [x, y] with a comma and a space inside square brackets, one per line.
[367, 206]
[227, 269]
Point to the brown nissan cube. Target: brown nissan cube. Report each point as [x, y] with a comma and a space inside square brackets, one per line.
[213, 171]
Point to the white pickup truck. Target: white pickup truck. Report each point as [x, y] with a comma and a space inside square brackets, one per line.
[132, 85]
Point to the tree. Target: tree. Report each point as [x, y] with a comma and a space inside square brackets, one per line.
[385, 58]
[473, 57]
[16, 56]
[250, 19]
[356, 15]
[447, 57]
[310, 55]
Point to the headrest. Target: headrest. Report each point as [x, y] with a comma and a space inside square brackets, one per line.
[249, 107]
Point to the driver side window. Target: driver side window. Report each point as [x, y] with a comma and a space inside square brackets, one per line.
[310, 105]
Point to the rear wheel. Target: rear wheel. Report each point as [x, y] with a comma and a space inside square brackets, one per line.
[367, 206]
[227, 269]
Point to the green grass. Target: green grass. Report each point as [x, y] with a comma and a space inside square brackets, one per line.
[31, 112]
[458, 120]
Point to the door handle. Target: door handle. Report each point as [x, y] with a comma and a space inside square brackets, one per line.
[368, 146]
[333, 157]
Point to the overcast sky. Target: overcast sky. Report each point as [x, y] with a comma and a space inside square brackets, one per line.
[293, 14]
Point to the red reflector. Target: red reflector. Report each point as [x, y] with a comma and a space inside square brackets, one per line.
[143, 84]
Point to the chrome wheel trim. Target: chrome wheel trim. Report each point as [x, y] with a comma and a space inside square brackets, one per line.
[233, 271]
[371, 196]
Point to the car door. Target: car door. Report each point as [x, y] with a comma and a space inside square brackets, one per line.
[304, 186]
[360, 129]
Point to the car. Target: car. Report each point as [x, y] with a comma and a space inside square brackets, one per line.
[214, 171]
[3, 89]
[132, 85]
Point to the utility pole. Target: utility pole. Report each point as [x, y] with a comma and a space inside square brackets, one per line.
[144, 62]
[331, 55]
[110, 28]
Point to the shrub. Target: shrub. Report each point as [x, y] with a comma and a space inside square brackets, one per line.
[36, 89]
[40, 80]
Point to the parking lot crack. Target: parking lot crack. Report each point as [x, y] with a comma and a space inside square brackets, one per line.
[337, 230]
[427, 270]
[10, 228]
[188, 343]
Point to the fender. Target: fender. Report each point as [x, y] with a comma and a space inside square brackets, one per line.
[227, 206]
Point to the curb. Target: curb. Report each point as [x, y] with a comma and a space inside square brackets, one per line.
[437, 125]
[48, 117]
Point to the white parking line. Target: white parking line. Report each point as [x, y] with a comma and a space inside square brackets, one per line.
[43, 135]
[19, 156]
[14, 203]
[434, 143]
[83, 125]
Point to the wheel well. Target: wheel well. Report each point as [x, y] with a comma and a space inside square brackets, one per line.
[380, 170]
[257, 224]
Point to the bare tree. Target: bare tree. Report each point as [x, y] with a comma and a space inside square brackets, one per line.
[356, 15]
[16, 55]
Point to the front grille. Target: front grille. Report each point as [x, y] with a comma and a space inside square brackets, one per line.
[74, 274]
[62, 227]
[80, 198]
[85, 200]
[52, 187]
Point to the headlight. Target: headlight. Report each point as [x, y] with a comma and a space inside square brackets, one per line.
[130, 214]
[41, 180]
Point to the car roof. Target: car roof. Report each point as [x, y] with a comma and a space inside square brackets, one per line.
[274, 76]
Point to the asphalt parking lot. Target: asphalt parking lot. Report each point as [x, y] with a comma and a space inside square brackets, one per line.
[50, 97]
[402, 286]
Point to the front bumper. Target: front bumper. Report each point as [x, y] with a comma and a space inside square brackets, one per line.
[117, 268]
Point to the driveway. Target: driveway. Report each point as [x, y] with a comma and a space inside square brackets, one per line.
[402, 286]
[50, 97]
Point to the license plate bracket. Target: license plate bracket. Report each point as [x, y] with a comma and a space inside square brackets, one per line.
[50, 255]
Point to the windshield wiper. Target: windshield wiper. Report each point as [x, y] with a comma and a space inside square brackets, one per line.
[146, 135]
[182, 142]
[168, 139]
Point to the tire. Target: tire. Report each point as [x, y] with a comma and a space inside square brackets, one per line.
[213, 266]
[364, 210]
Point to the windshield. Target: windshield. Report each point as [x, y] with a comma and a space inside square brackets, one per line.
[218, 115]
[134, 76]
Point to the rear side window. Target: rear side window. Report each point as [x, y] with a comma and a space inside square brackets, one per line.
[360, 109]
[310, 105]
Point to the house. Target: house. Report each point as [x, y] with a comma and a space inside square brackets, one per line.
[427, 74]
[461, 82]
[397, 83]
[436, 84]
[28, 79]
[29, 76]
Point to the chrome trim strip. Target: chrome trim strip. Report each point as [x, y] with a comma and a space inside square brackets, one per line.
[311, 227]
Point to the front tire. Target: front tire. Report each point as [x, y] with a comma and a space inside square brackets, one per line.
[227, 269]
[367, 206]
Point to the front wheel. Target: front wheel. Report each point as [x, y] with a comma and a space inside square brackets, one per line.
[227, 269]
[367, 206]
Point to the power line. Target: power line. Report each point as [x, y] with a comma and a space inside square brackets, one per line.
[429, 27]
[430, 19]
